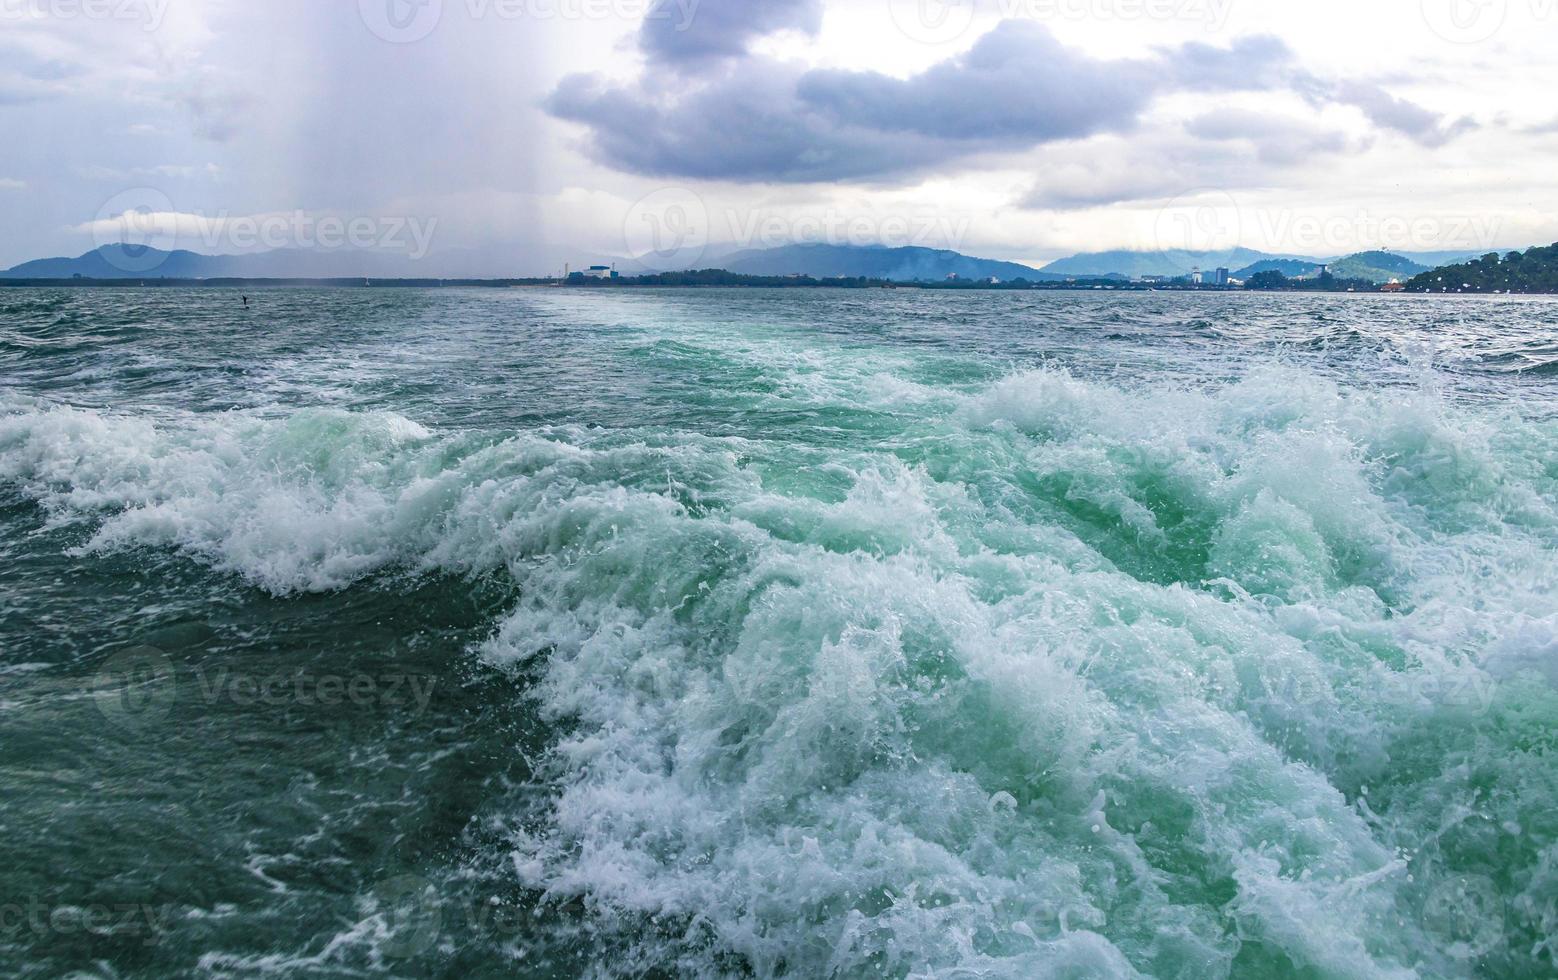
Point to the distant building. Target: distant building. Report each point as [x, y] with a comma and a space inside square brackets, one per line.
[1218, 277]
[953, 277]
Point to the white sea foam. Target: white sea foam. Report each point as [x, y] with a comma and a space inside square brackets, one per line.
[1092, 686]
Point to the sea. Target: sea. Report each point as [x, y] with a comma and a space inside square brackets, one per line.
[777, 633]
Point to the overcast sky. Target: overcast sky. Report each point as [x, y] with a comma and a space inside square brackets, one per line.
[540, 132]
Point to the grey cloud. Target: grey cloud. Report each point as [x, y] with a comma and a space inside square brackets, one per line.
[1002, 91]
[216, 109]
[1150, 166]
[1249, 64]
[694, 32]
[760, 120]
[751, 126]
[1072, 190]
[1277, 141]
[1018, 87]
[1408, 118]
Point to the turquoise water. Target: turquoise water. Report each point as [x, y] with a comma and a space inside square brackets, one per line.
[744, 633]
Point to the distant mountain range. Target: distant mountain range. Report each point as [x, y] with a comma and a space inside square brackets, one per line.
[1134, 265]
[1292, 268]
[872, 262]
[1377, 265]
[905, 264]
[140, 262]
[1374, 266]
[818, 261]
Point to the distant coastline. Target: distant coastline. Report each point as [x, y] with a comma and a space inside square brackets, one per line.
[727, 281]
[1534, 272]
[840, 267]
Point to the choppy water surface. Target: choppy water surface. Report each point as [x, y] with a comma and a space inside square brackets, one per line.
[746, 633]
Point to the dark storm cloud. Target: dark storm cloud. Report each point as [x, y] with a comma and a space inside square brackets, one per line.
[760, 120]
[750, 126]
[693, 32]
[745, 118]
[1003, 91]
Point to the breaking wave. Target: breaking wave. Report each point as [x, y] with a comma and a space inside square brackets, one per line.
[1071, 679]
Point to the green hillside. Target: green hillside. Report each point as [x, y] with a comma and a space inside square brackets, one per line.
[1377, 267]
[1532, 271]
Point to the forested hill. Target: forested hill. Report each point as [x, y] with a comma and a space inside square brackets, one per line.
[1532, 271]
